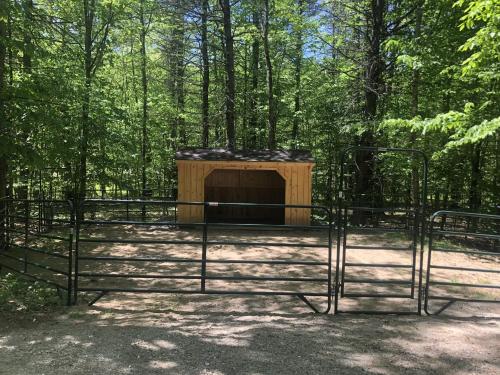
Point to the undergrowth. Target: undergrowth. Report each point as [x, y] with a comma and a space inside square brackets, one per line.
[21, 295]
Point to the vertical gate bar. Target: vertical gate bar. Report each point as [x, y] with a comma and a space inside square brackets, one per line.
[70, 267]
[423, 231]
[340, 196]
[204, 249]
[415, 238]
[26, 230]
[337, 261]
[70, 254]
[330, 244]
[78, 218]
[428, 271]
[40, 201]
[7, 221]
[127, 205]
[344, 252]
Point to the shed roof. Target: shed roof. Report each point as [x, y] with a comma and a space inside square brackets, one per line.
[221, 154]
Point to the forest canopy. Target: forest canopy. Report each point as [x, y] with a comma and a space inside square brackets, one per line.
[101, 93]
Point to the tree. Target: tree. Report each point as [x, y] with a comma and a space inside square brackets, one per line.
[3, 118]
[253, 121]
[272, 118]
[205, 73]
[230, 75]
[299, 43]
[145, 22]
[94, 47]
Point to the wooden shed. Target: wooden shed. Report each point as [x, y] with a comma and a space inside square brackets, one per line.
[219, 175]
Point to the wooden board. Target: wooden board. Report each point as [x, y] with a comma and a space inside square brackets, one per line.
[195, 176]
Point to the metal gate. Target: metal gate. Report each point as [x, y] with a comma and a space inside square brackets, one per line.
[36, 241]
[380, 267]
[448, 281]
[167, 256]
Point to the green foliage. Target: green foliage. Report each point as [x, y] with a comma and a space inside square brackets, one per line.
[439, 89]
[18, 294]
[483, 17]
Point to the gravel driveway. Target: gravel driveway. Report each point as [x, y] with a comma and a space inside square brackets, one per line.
[137, 334]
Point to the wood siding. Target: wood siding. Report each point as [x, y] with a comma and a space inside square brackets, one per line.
[297, 176]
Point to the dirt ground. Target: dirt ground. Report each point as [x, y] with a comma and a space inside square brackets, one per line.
[194, 334]
[134, 334]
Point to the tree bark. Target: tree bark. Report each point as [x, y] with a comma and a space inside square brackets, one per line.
[365, 190]
[375, 64]
[272, 117]
[245, 99]
[28, 45]
[298, 73]
[205, 73]
[27, 70]
[144, 80]
[253, 121]
[415, 84]
[89, 12]
[415, 93]
[177, 74]
[230, 75]
[475, 177]
[93, 52]
[3, 117]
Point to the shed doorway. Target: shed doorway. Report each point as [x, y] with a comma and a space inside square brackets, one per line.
[245, 186]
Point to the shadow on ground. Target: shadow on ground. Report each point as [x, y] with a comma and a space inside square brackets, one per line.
[133, 334]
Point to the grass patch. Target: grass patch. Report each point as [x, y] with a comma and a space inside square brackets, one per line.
[18, 294]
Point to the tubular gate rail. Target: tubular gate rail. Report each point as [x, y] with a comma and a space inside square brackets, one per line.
[414, 229]
[434, 282]
[29, 249]
[207, 262]
[60, 244]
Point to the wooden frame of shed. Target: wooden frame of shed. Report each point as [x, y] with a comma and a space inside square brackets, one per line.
[219, 175]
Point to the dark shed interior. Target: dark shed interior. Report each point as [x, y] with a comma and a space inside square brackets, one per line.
[245, 186]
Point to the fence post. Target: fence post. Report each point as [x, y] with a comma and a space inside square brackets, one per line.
[204, 249]
[3, 224]
[422, 235]
[76, 227]
[26, 233]
[70, 251]
[127, 206]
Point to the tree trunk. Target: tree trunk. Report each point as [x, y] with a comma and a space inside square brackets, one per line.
[375, 65]
[177, 73]
[373, 84]
[416, 72]
[230, 77]
[272, 118]
[415, 87]
[205, 73]
[245, 98]
[298, 73]
[89, 9]
[144, 79]
[475, 182]
[27, 69]
[28, 45]
[253, 121]
[3, 117]
[475, 178]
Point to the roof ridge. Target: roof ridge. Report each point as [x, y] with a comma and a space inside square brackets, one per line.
[222, 154]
